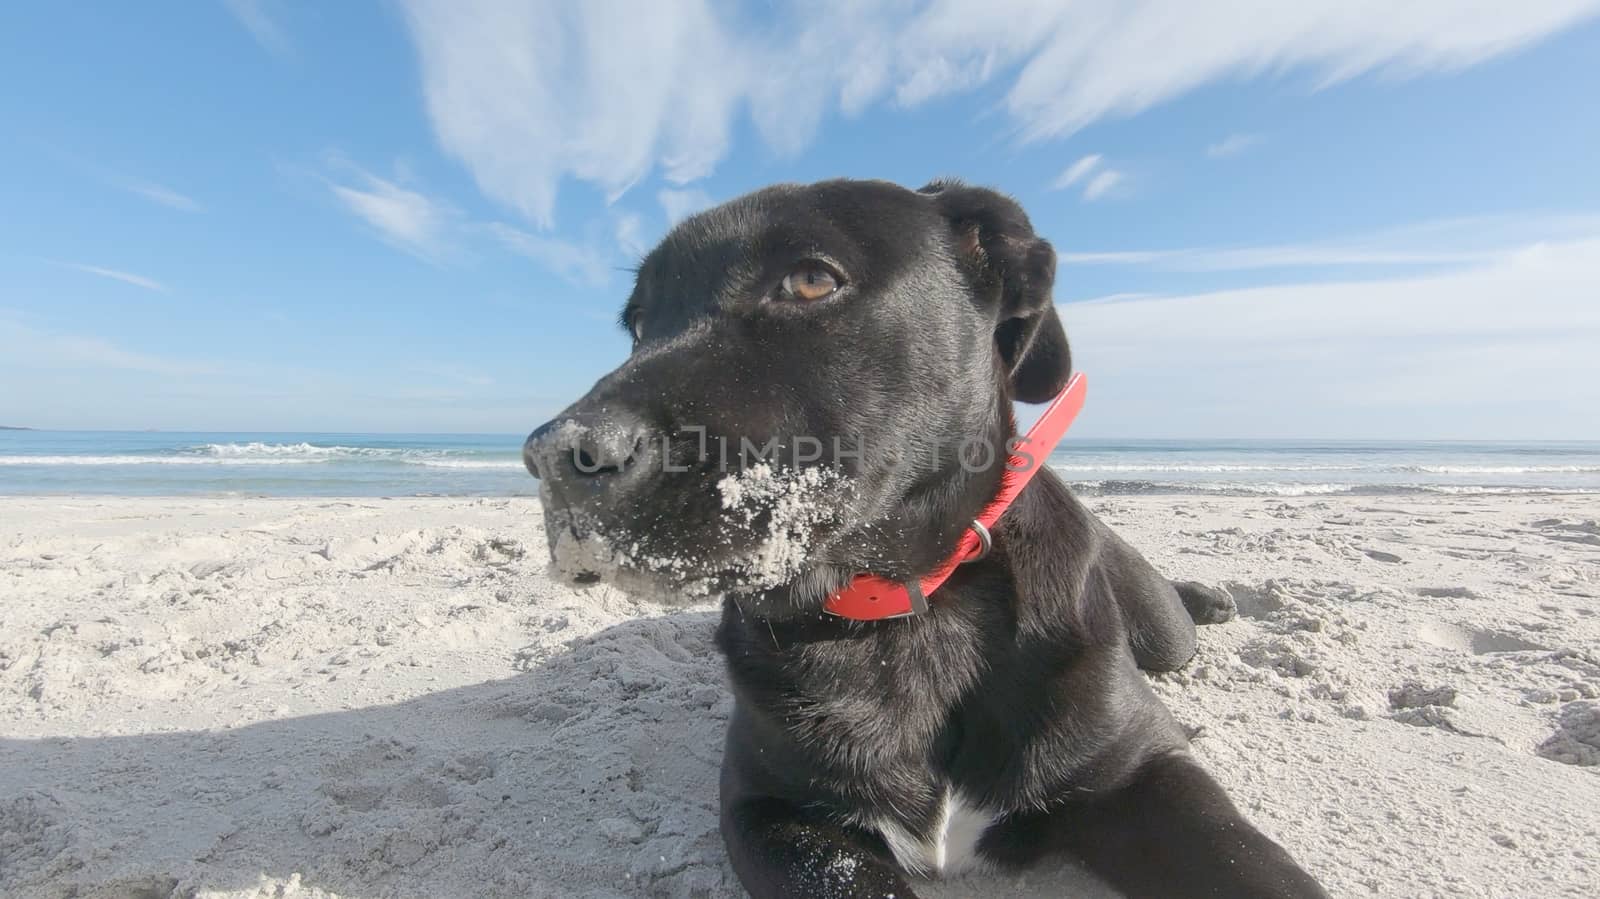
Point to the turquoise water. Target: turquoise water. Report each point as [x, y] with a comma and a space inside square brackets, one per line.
[279, 464]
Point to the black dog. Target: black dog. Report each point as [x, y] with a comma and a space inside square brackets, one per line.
[1008, 721]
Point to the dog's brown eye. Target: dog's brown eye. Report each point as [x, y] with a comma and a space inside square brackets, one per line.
[811, 281]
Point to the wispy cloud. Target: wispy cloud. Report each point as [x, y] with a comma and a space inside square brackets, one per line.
[1097, 178]
[435, 231]
[253, 15]
[1232, 145]
[580, 264]
[1492, 349]
[405, 218]
[1446, 242]
[527, 94]
[1101, 184]
[118, 275]
[142, 187]
[1223, 259]
[680, 204]
[1076, 172]
[157, 193]
[629, 232]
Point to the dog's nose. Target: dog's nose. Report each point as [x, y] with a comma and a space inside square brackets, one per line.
[586, 446]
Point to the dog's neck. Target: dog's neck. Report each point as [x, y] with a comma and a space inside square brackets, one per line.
[922, 529]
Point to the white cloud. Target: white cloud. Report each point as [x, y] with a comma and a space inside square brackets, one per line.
[1115, 257]
[403, 217]
[156, 193]
[118, 275]
[1222, 259]
[680, 204]
[1232, 145]
[1076, 172]
[1097, 178]
[1495, 350]
[628, 232]
[1458, 241]
[1101, 184]
[583, 265]
[527, 94]
[252, 14]
[436, 232]
[149, 190]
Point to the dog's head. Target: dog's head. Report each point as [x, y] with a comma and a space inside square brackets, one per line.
[820, 384]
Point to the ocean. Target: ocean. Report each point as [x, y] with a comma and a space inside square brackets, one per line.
[277, 464]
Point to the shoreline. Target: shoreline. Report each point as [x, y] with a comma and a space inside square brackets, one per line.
[360, 697]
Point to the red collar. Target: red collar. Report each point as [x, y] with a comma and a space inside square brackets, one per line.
[869, 597]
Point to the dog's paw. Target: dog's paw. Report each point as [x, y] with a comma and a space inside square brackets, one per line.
[1206, 605]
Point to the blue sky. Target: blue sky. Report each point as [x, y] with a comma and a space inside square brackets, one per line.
[1325, 219]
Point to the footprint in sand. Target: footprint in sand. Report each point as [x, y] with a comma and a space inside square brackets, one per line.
[1584, 532]
[1413, 695]
[1471, 639]
[1420, 705]
[1446, 592]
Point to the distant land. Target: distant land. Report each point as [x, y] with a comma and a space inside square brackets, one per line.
[10, 428]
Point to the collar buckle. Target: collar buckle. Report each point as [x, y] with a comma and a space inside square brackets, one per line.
[985, 543]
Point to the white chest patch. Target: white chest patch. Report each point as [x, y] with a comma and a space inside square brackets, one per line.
[949, 848]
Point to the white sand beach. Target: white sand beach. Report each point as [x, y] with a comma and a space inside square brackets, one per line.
[389, 698]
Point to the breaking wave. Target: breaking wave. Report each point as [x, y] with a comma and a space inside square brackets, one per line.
[1229, 468]
[252, 454]
[477, 464]
[1501, 469]
[1223, 488]
[1196, 467]
[309, 451]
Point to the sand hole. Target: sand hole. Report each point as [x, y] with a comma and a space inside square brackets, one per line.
[1256, 600]
[1447, 592]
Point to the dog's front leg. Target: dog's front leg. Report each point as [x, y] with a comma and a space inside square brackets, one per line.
[1159, 615]
[1172, 832]
[780, 851]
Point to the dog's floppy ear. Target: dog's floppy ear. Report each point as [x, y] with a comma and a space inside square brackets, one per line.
[1014, 271]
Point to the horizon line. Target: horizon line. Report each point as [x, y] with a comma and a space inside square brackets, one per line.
[519, 435]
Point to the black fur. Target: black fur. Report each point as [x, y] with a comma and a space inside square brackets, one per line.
[1020, 690]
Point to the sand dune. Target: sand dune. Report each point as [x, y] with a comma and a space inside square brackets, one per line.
[388, 698]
